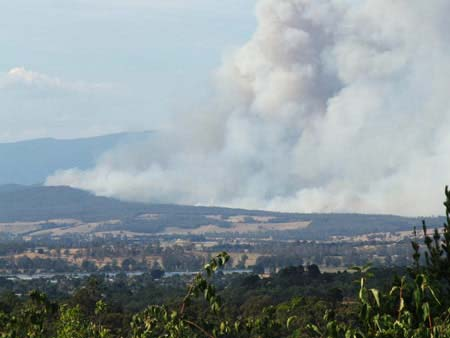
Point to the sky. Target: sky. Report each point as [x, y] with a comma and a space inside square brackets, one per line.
[287, 105]
[73, 68]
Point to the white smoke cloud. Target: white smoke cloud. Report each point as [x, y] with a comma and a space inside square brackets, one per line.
[333, 105]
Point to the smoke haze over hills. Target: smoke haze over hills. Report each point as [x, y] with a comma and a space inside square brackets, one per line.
[31, 161]
[332, 105]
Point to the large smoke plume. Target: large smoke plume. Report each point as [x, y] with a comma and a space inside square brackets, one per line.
[333, 105]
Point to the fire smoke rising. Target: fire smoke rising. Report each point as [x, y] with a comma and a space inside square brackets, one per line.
[333, 105]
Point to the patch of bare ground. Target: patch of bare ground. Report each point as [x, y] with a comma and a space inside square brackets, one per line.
[20, 227]
[245, 219]
[378, 237]
[237, 219]
[26, 227]
[148, 217]
[238, 228]
[118, 233]
[72, 227]
[214, 217]
[263, 219]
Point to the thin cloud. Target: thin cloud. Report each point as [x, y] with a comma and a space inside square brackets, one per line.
[20, 77]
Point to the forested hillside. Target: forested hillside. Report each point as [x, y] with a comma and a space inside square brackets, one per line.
[37, 203]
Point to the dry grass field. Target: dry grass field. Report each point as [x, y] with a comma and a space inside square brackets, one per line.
[239, 225]
[240, 228]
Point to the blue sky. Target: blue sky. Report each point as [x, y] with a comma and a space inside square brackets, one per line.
[73, 68]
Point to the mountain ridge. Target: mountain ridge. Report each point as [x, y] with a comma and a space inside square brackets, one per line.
[32, 161]
[44, 203]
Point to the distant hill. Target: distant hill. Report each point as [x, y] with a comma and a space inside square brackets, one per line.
[9, 188]
[38, 203]
[32, 161]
